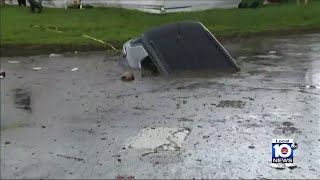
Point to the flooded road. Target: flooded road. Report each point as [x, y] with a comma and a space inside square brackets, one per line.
[58, 123]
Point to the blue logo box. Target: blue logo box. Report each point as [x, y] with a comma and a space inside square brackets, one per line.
[282, 151]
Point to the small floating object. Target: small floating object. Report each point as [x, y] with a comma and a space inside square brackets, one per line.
[241, 57]
[272, 52]
[290, 165]
[2, 74]
[277, 166]
[127, 76]
[14, 62]
[55, 55]
[269, 56]
[74, 69]
[37, 68]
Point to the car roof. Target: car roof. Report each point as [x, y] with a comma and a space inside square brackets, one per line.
[186, 45]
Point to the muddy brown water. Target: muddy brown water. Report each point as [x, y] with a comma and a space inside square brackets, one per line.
[56, 123]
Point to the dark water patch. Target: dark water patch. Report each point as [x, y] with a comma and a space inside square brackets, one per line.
[287, 123]
[234, 104]
[184, 119]
[286, 130]
[22, 99]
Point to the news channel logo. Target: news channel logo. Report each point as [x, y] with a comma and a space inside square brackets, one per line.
[282, 150]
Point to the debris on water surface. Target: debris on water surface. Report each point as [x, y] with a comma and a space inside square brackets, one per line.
[74, 69]
[7, 142]
[269, 56]
[14, 62]
[70, 157]
[251, 99]
[37, 68]
[127, 76]
[124, 177]
[55, 55]
[290, 165]
[2, 74]
[272, 52]
[234, 104]
[287, 123]
[185, 119]
[279, 166]
[241, 57]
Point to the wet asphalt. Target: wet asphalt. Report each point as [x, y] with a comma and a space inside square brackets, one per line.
[58, 123]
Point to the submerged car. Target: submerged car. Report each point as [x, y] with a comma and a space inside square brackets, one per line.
[181, 46]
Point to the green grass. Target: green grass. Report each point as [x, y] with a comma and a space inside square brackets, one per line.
[118, 25]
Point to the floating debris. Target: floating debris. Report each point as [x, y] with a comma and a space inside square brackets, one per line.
[2, 74]
[279, 166]
[290, 165]
[234, 104]
[269, 56]
[124, 177]
[70, 157]
[205, 137]
[272, 52]
[7, 142]
[185, 119]
[37, 68]
[127, 76]
[14, 62]
[74, 69]
[55, 55]
[241, 57]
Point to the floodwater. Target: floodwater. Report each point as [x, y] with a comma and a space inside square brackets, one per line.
[58, 123]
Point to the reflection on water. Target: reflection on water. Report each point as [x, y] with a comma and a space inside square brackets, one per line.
[313, 73]
[17, 111]
[294, 59]
[22, 99]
